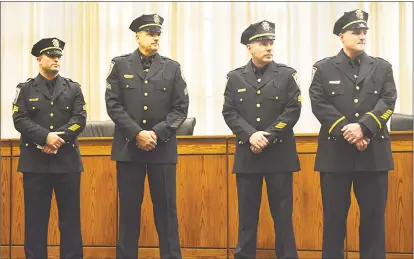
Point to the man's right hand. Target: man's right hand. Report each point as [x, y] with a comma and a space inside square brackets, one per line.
[54, 140]
[146, 140]
[259, 140]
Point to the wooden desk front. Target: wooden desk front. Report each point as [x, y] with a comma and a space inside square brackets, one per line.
[206, 203]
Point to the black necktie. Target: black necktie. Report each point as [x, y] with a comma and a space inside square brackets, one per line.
[50, 86]
[146, 62]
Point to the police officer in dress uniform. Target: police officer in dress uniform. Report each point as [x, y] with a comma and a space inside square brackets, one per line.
[353, 95]
[49, 112]
[146, 96]
[262, 103]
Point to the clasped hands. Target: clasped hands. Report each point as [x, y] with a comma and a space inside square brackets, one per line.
[146, 140]
[354, 135]
[53, 143]
[258, 141]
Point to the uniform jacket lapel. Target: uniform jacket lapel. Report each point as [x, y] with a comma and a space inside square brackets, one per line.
[136, 65]
[341, 62]
[249, 75]
[367, 64]
[156, 65]
[269, 74]
[40, 84]
[59, 87]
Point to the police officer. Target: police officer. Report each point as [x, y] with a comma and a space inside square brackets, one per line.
[353, 96]
[262, 103]
[49, 112]
[146, 96]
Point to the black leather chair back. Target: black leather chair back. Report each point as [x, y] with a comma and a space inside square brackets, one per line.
[401, 122]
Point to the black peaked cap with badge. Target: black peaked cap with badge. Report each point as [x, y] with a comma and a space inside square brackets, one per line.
[356, 19]
[147, 22]
[48, 46]
[263, 30]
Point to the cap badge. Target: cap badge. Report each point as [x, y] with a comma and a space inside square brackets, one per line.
[156, 18]
[359, 14]
[55, 43]
[265, 26]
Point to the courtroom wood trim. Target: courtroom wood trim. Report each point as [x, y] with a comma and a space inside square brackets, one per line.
[5, 147]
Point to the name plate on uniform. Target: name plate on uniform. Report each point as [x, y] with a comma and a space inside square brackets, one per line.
[129, 76]
[241, 90]
[335, 82]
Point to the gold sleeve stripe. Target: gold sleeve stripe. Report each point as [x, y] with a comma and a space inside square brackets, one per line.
[300, 98]
[336, 123]
[280, 125]
[74, 127]
[375, 118]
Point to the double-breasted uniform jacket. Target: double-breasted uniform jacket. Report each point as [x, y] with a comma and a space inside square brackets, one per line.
[272, 105]
[36, 113]
[151, 99]
[340, 97]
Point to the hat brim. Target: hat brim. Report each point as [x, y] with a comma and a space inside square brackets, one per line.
[269, 37]
[360, 25]
[152, 28]
[52, 52]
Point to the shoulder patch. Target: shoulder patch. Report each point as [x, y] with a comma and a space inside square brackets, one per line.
[16, 96]
[313, 73]
[182, 74]
[111, 66]
[296, 78]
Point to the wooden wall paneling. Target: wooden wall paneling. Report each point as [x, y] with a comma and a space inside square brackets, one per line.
[17, 205]
[307, 201]
[148, 233]
[99, 201]
[17, 211]
[98, 205]
[270, 254]
[399, 210]
[88, 252]
[5, 252]
[201, 203]
[5, 200]
[307, 205]
[355, 255]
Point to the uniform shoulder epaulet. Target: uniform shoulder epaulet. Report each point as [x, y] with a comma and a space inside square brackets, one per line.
[386, 61]
[169, 59]
[239, 68]
[71, 81]
[324, 59]
[286, 66]
[20, 85]
[122, 56]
